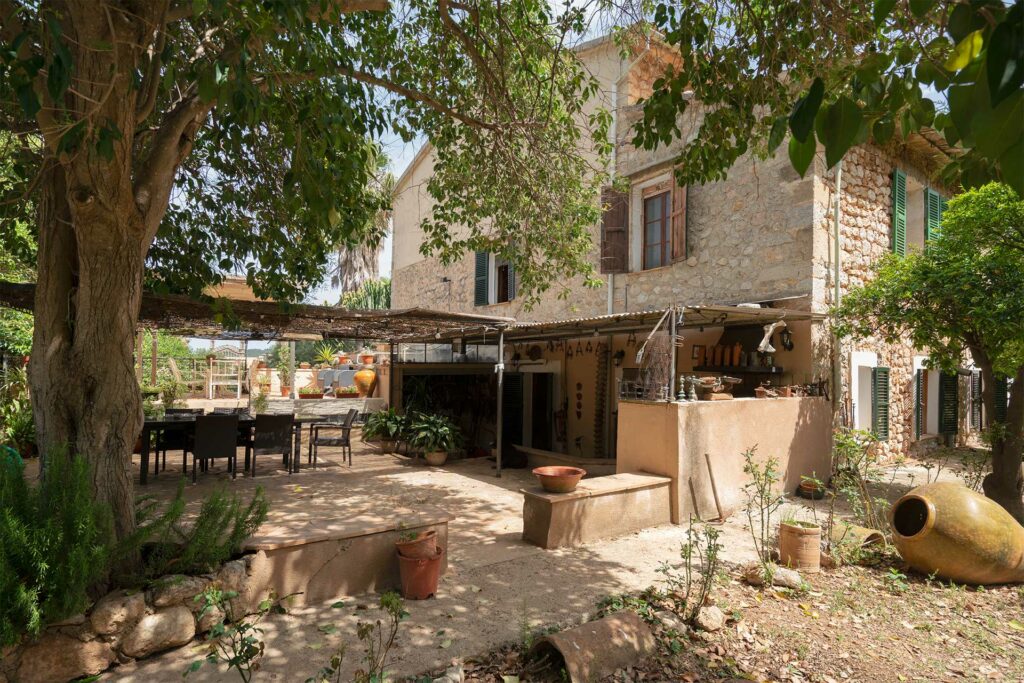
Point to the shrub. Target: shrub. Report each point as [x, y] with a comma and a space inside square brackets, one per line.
[384, 424]
[431, 433]
[216, 534]
[55, 543]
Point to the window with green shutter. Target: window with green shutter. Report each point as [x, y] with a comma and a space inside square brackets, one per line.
[919, 403]
[481, 286]
[899, 212]
[949, 410]
[1000, 400]
[934, 206]
[976, 400]
[880, 403]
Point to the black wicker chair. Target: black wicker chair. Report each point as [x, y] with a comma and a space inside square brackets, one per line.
[174, 439]
[272, 435]
[215, 436]
[336, 431]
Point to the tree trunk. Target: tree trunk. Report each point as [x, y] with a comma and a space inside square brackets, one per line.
[1005, 484]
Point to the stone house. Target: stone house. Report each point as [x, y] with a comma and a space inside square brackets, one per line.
[764, 236]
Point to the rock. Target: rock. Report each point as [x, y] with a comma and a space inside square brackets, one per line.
[178, 589]
[710, 618]
[670, 621]
[782, 576]
[57, 657]
[453, 674]
[231, 576]
[170, 627]
[215, 615]
[74, 620]
[117, 610]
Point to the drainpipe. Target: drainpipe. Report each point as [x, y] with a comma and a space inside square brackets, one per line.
[500, 369]
[837, 370]
[613, 131]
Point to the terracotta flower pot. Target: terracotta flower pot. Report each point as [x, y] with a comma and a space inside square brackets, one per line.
[436, 458]
[811, 490]
[800, 547]
[559, 479]
[424, 546]
[365, 381]
[320, 395]
[420, 576]
[286, 391]
[367, 358]
[343, 359]
[387, 446]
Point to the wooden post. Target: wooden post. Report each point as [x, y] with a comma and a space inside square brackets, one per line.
[152, 358]
[291, 368]
[138, 354]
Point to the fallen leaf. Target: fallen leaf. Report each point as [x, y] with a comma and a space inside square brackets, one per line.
[327, 628]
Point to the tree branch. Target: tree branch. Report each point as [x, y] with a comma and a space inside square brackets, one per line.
[151, 84]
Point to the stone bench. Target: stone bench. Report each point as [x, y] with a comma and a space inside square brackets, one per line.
[330, 558]
[602, 507]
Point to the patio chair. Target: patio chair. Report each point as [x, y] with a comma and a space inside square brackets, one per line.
[173, 439]
[215, 436]
[327, 434]
[272, 435]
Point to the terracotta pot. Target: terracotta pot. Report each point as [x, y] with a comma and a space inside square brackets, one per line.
[286, 391]
[367, 358]
[558, 478]
[420, 577]
[422, 547]
[436, 458]
[305, 366]
[948, 530]
[365, 381]
[343, 359]
[387, 446]
[800, 547]
[811, 490]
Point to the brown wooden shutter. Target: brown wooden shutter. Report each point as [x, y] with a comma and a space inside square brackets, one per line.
[679, 250]
[614, 231]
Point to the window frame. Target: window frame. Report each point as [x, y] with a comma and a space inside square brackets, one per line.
[657, 192]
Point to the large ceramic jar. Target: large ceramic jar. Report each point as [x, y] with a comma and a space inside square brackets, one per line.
[365, 381]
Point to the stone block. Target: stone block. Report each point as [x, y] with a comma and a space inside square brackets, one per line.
[117, 610]
[170, 627]
[178, 589]
[57, 657]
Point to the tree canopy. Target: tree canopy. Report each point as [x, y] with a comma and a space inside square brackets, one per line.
[839, 74]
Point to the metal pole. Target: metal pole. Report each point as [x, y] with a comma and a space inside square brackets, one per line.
[291, 368]
[500, 369]
[672, 369]
[152, 358]
[837, 371]
[392, 376]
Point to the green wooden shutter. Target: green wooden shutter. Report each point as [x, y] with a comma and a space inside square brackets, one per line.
[1000, 400]
[949, 409]
[899, 212]
[481, 285]
[512, 408]
[918, 403]
[880, 403]
[511, 282]
[933, 207]
[976, 401]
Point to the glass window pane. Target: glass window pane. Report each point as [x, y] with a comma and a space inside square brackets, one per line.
[652, 208]
[652, 233]
[652, 256]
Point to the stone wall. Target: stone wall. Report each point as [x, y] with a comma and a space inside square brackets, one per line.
[127, 625]
[865, 237]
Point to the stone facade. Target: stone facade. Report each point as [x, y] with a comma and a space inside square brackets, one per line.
[762, 235]
[126, 625]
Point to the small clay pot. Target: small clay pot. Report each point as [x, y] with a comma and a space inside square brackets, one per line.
[367, 358]
[436, 458]
[810, 490]
[286, 391]
[421, 547]
[420, 575]
[558, 478]
[800, 547]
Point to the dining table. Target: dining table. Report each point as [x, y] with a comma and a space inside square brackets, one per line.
[187, 423]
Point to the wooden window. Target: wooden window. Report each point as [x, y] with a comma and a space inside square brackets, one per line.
[880, 403]
[1000, 399]
[614, 231]
[680, 245]
[976, 400]
[934, 207]
[481, 283]
[949, 410]
[657, 237]
[505, 276]
[920, 391]
[899, 212]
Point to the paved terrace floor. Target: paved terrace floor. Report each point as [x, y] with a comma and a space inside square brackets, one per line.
[496, 584]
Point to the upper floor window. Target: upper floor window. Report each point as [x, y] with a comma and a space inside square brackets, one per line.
[916, 213]
[657, 233]
[494, 280]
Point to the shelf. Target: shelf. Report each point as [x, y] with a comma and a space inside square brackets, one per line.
[740, 370]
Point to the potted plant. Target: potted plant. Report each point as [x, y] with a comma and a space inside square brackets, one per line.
[417, 544]
[324, 353]
[346, 392]
[311, 392]
[367, 356]
[419, 563]
[260, 402]
[800, 544]
[385, 426]
[17, 428]
[435, 435]
[285, 374]
[171, 392]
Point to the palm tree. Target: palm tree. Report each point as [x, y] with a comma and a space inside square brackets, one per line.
[355, 263]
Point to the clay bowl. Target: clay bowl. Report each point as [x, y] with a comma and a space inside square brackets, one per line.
[559, 479]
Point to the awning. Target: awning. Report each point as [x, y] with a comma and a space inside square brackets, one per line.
[240, 319]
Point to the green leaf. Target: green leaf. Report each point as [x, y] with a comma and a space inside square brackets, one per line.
[1000, 128]
[198, 7]
[1011, 166]
[777, 134]
[28, 100]
[881, 10]
[802, 153]
[919, 8]
[838, 128]
[965, 51]
[338, 605]
[1004, 59]
[801, 120]
[327, 628]
[207, 86]
[883, 130]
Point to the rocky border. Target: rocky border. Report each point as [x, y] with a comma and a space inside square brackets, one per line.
[126, 625]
